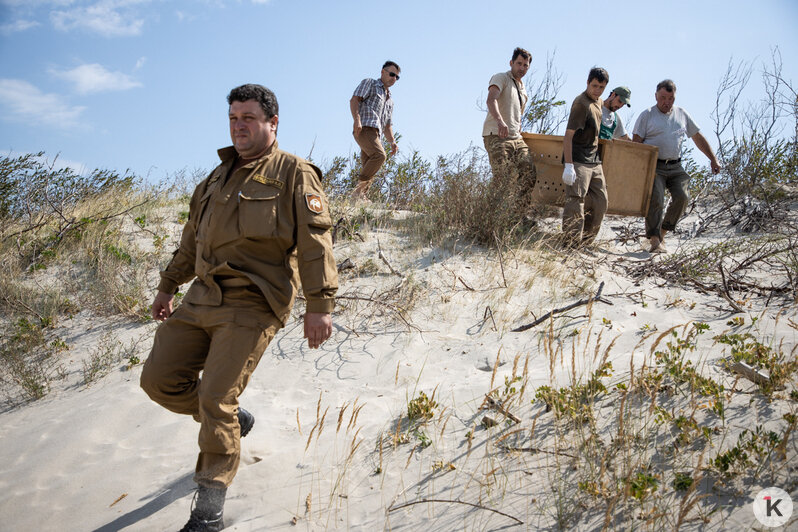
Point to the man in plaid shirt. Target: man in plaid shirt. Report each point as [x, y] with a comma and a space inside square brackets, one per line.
[371, 106]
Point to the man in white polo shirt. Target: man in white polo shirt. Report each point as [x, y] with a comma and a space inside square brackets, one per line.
[665, 126]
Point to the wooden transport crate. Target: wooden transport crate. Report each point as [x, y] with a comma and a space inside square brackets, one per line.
[629, 169]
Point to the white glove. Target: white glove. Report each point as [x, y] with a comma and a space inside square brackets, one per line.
[569, 174]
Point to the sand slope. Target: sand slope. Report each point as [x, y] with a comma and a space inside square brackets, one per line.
[103, 457]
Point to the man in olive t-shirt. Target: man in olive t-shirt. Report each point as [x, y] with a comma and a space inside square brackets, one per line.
[512, 165]
[586, 191]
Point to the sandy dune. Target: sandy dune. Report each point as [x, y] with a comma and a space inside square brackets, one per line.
[103, 457]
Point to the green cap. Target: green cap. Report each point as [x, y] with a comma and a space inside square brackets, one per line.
[623, 94]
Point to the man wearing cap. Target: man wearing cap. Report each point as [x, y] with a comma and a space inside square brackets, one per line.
[665, 126]
[259, 219]
[509, 156]
[611, 124]
[372, 111]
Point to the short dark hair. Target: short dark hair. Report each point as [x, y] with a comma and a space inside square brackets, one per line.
[391, 64]
[265, 98]
[667, 84]
[523, 53]
[599, 74]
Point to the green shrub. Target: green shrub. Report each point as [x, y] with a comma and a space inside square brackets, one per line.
[422, 408]
[28, 361]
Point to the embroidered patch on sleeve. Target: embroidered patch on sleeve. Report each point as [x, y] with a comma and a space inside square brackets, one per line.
[268, 181]
[314, 203]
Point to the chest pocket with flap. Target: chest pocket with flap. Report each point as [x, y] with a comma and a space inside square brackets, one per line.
[257, 212]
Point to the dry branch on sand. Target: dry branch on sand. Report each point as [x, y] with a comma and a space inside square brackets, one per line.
[579, 303]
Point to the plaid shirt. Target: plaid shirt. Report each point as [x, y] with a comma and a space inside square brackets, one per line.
[376, 106]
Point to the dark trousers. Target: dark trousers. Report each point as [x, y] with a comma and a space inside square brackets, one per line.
[673, 177]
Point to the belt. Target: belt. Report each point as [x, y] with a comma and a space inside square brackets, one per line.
[669, 161]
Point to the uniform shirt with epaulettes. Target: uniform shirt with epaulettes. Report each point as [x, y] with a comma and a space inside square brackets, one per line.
[257, 227]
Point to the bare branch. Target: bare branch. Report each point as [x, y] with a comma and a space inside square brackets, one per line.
[481, 507]
[581, 302]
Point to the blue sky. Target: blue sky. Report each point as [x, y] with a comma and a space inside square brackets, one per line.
[141, 84]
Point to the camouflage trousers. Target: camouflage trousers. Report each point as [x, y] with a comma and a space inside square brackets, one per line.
[513, 169]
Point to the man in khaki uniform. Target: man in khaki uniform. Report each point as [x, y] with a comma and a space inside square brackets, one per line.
[509, 156]
[586, 190]
[257, 219]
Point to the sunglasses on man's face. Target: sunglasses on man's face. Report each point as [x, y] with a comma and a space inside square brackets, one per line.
[394, 75]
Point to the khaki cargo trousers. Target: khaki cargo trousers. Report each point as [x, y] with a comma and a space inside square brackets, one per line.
[225, 343]
[585, 204]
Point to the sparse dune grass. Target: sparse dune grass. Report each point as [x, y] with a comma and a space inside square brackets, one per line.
[71, 243]
[646, 426]
[480, 376]
[654, 436]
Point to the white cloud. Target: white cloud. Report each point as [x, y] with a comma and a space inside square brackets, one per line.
[140, 62]
[111, 18]
[24, 102]
[35, 3]
[18, 26]
[93, 78]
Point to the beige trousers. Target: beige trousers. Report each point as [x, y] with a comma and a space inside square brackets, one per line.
[585, 204]
[225, 343]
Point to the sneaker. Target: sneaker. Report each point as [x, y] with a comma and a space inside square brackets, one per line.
[655, 243]
[659, 248]
[245, 420]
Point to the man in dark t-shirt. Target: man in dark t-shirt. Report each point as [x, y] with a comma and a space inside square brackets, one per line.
[586, 191]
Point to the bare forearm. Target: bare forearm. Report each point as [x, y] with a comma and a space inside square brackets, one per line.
[493, 109]
[702, 144]
[354, 108]
[568, 146]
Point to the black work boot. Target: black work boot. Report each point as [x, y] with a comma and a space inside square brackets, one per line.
[206, 516]
[245, 420]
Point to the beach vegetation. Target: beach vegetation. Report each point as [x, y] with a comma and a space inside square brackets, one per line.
[568, 431]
